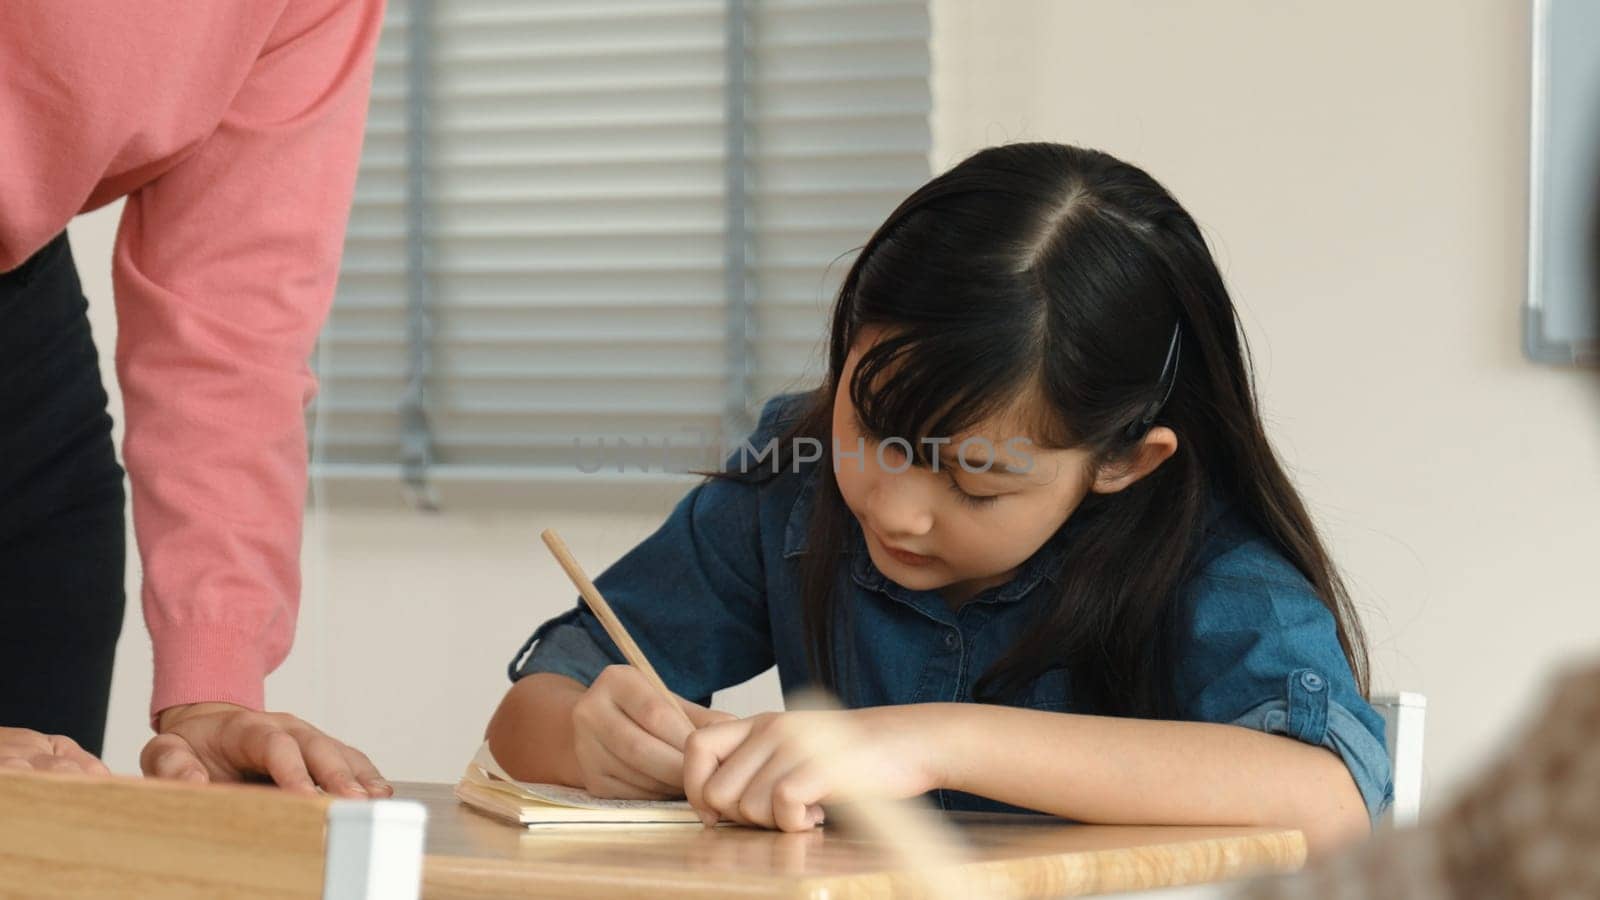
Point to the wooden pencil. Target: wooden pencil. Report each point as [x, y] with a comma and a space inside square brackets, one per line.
[608, 619]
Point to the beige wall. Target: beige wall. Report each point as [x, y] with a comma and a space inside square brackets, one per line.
[1359, 169]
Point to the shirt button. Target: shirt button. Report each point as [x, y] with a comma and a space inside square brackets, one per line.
[951, 639]
[1311, 681]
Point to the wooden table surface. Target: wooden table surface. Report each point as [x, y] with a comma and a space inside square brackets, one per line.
[470, 856]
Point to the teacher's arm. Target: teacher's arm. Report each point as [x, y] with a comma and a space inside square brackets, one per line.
[224, 270]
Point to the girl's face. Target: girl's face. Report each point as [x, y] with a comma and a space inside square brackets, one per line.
[960, 530]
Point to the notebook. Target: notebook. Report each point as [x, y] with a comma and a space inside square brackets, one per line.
[487, 788]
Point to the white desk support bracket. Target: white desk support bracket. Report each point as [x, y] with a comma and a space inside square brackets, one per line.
[374, 850]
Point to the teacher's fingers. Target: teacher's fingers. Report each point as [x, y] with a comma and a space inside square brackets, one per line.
[326, 761]
[38, 762]
[41, 763]
[262, 746]
[367, 773]
[67, 749]
[231, 743]
[24, 748]
[170, 756]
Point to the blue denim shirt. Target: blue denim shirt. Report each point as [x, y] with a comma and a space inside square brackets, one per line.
[713, 598]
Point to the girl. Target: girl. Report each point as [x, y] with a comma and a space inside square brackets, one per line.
[1029, 530]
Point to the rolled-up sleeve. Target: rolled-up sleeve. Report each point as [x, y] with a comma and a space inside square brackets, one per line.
[564, 646]
[692, 595]
[1262, 652]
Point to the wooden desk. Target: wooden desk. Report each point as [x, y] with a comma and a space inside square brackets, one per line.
[469, 856]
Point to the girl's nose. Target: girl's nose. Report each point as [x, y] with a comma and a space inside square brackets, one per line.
[900, 504]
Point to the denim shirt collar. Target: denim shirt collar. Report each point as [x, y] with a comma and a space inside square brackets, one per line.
[1043, 564]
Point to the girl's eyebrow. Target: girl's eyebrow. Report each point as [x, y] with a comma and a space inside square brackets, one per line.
[974, 463]
[951, 458]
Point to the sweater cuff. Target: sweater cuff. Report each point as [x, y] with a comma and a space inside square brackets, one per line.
[199, 662]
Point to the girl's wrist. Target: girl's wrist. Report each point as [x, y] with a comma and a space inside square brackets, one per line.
[965, 736]
[939, 733]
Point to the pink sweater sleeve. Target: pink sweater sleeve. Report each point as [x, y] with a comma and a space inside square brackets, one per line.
[224, 270]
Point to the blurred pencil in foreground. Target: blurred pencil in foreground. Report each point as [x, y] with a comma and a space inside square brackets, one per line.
[927, 846]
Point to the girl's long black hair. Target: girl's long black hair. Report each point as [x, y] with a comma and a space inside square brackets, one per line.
[1061, 272]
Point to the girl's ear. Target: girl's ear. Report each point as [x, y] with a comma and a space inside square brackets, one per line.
[1157, 447]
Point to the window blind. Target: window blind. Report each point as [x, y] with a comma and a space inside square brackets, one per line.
[589, 239]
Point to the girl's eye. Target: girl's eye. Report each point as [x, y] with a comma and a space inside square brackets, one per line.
[976, 501]
[973, 500]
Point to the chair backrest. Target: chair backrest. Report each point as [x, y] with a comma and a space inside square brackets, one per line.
[68, 836]
[1402, 720]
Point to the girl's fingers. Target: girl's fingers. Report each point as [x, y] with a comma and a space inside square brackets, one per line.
[702, 716]
[170, 756]
[795, 796]
[726, 788]
[641, 749]
[755, 801]
[325, 760]
[650, 711]
[638, 785]
[703, 753]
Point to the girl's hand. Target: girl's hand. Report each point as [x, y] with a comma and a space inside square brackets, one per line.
[21, 748]
[759, 771]
[628, 742]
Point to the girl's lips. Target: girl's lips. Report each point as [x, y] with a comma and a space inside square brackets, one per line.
[910, 559]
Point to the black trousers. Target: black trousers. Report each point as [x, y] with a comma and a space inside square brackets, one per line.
[62, 541]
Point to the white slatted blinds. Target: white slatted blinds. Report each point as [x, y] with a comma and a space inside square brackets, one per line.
[606, 219]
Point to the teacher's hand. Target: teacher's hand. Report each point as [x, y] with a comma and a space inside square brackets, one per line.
[224, 742]
[24, 749]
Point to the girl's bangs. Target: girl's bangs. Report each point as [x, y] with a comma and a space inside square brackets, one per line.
[926, 387]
